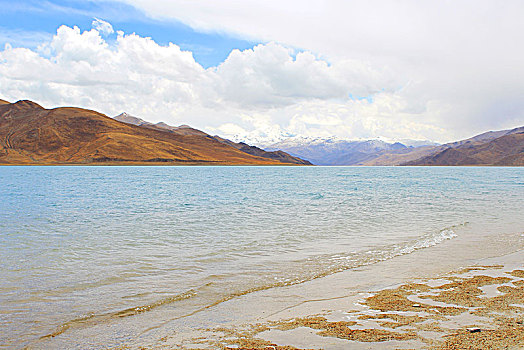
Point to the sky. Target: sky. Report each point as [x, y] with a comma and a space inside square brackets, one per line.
[261, 71]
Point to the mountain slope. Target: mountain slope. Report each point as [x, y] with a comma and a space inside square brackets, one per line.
[452, 153]
[181, 130]
[30, 134]
[485, 137]
[259, 152]
[507, 150]
[278, 155]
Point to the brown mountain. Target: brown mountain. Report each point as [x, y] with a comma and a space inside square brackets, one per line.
[472, 151]
[280, 156]
[259, 152]
[30, 134]
[506, 150]
[485, 137]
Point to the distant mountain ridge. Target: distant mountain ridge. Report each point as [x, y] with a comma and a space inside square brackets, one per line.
[337, 152]
[256, 151]
[277, 155]
[31, 134]
[504, 148]
[182, 129]
[482, 149]
[485, 137]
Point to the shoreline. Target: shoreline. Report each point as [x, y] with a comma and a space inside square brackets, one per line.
[218, 163]
[132, 163]
[282, 316]
[480, 306]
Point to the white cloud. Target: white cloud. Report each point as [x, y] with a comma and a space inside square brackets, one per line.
[464, 55]
[407, 29]
[344, 119]
[103, 27]
[268, 75]
[269, 91]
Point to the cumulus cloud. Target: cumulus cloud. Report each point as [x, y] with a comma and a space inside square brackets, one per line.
[271, 75]
[103, 27]
[267, 92]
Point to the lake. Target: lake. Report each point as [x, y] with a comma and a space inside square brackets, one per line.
[88, 246]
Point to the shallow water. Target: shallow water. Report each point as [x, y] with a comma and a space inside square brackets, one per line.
[88, 245]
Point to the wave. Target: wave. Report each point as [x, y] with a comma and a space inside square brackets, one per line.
[97, 318]
[325, 265]
[309, 269]
[394, 250]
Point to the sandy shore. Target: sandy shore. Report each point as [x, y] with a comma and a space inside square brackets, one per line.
[477, 307]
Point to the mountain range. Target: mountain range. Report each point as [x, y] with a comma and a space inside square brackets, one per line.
[31, 134]
[504, 147]
[332, 151]
[278, 155]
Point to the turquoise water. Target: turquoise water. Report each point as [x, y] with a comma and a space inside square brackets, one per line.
[83, 245]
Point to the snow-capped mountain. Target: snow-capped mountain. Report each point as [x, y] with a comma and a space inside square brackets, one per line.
[263, 138]
[334, 151]
[317, 150]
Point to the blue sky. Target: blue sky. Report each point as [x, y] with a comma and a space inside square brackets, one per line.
[25, 23]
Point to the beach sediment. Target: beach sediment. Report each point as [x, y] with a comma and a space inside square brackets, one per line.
[477, 307]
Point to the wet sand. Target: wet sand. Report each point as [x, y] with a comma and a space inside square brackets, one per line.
[479, 307]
